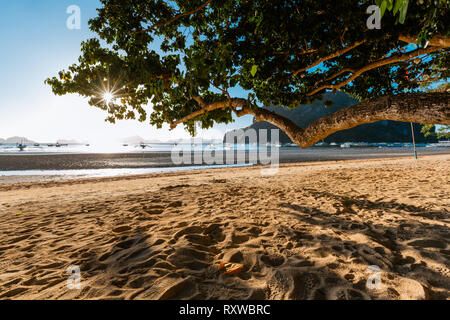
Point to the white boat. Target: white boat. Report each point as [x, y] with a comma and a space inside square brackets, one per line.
[346, 145]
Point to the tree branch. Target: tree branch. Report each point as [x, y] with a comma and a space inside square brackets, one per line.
[160, 24]
[206, 107]
[417, 107]
[299, 53]
[374, 65]
[331, 56]
[339, 73]
[436, 41]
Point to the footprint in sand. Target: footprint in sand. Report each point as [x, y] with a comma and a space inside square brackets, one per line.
[154, 210]
[343, 293]
[428, 243]
[122, 229]
[175, 204]
[305, 285]
[168, 287]
[289, 284]
[273, 260]
[190, 258]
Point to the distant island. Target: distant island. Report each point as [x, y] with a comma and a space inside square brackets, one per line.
[17, 140]
[24, 140]
[382, 131]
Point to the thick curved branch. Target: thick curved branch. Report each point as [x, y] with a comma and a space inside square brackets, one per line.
[417, 107]
[374, 65]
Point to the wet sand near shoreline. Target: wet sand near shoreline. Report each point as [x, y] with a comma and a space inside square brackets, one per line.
[312, 231]
[13, 166]
[71, 161]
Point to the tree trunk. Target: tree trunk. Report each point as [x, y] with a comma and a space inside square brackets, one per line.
[417, 107]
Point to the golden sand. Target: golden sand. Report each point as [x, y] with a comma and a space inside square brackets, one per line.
[312, 231]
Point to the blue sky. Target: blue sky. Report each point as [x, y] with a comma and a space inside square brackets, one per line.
[35, 44]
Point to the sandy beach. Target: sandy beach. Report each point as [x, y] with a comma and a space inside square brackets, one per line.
[312, 231]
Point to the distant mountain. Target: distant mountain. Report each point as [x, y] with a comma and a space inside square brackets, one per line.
[382, 131]
[17, 140]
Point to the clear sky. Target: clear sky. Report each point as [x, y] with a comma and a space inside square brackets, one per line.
[34, 45]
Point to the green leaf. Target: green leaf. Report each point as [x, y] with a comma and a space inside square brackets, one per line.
[398, 4]
[403, 11]
[390, 5]
[254, 70]
[383, 8]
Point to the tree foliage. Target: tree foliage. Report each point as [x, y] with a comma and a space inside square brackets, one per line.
[182, 56]
[441, 132]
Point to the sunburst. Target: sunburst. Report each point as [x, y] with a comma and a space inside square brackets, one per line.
[108, 97]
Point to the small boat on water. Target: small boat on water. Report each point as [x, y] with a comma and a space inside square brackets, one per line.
[125, 145]
[36, 144]
[346, 145]
[21, 146]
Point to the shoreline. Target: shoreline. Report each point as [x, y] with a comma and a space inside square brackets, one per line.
[37, 167]
[68, 161]
[51, 181]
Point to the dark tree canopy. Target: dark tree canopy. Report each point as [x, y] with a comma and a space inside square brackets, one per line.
[186, 56]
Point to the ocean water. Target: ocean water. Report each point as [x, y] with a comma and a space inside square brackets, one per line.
[46, 148]
[122, 166]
